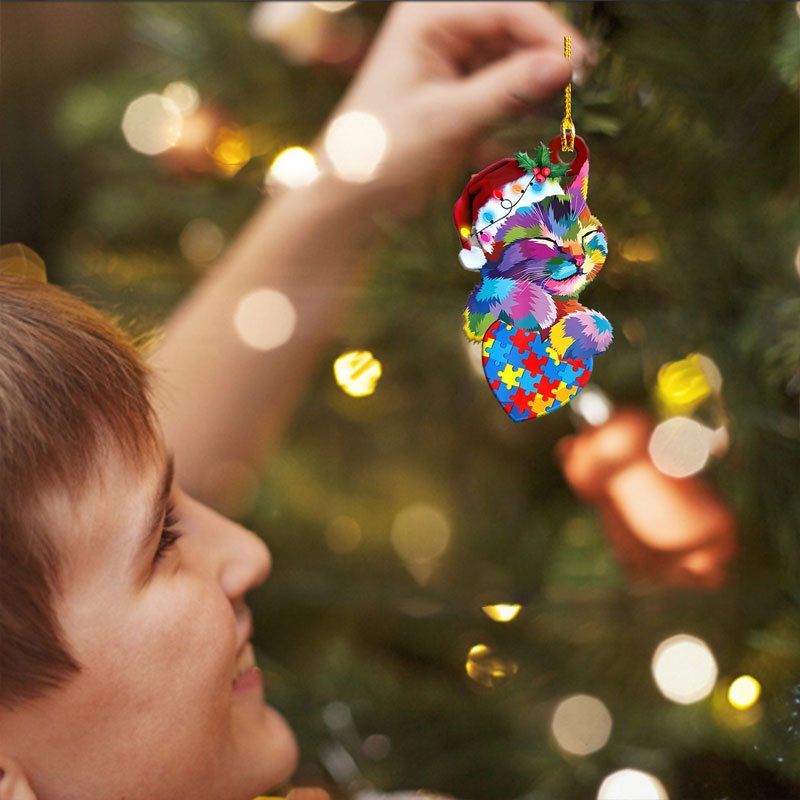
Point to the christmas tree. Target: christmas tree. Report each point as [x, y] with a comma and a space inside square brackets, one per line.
[446, 612]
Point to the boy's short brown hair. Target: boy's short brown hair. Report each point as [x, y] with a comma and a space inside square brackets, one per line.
[70, 383]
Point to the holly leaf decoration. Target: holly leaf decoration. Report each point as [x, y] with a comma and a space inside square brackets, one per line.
[541, 158]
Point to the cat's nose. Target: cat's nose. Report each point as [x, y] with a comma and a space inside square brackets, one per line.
[579, 259]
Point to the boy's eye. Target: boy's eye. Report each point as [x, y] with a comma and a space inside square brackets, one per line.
[168, 534]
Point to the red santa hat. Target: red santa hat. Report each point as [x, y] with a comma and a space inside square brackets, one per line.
[488, 182]
[479, 190]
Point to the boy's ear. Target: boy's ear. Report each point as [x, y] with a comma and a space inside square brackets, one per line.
[13, 783]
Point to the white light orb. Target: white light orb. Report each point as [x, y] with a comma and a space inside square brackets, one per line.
[265, 319]
[184, 95]
[593, 406]
[152, 124]
[356, 143]
[631, 784]
[293, 167]
[298, 29]
[581, 724]
[420, 533]
[680, 446]
[684, 669]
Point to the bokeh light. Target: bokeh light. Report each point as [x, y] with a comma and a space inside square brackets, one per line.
[420, 533]
[198, 132]
[680, 446]
[298, 29]
[152, 124]
[684, 669]
[332, 6]
[293, 167]
[744, 692]
[343, 534]
[682, 385]
[592, 406]
[484, 666]
[184, 95]
[355, 143]
[502, 612]
[357, 372]
[265, 319]
[18, 259]
[376, 746]
[640, 248]
[201, 241]
[581, 724]
[232, 150]
[631, 784]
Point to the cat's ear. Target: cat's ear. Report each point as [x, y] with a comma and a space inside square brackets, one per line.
[579, 187]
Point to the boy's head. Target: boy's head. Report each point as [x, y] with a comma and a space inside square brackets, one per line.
[125, 668]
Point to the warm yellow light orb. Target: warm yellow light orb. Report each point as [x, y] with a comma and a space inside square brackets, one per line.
[744, 692]
[18, 259]
[683, 385]
[465, 231]
[484, 666]
[357, 372]
[232, 150]
[501, 612]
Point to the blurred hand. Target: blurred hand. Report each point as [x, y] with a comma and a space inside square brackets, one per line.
[440, 73]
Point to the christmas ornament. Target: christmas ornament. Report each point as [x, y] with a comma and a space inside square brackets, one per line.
[526, 227]
[675, 531]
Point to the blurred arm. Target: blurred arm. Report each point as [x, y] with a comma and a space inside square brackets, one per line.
[437, 76]
[221, 401]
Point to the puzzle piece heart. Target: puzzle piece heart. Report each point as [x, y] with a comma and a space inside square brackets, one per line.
[526, 375]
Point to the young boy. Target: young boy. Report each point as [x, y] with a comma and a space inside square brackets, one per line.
[125, 664]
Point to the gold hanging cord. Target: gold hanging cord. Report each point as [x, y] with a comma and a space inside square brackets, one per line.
[567, 125]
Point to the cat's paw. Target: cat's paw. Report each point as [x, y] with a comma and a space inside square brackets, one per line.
[581, 334]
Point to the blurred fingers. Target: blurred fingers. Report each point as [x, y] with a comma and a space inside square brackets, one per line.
[507, 86]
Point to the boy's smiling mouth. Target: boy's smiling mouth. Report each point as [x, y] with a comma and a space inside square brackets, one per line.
[246, 675]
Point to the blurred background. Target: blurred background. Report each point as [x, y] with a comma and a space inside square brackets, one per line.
[602, 603]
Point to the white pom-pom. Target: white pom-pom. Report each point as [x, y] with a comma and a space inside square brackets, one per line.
[472, 258]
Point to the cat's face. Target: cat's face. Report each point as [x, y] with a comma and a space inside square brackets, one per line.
[569, 248]
[554, 242]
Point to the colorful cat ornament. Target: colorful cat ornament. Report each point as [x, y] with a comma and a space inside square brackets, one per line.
[524, 224]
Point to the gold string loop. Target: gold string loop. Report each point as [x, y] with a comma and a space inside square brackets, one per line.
[567, 125]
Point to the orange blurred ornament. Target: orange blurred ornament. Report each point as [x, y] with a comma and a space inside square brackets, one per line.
[677, 531]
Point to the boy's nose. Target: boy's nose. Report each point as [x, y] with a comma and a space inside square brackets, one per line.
[247, 562]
